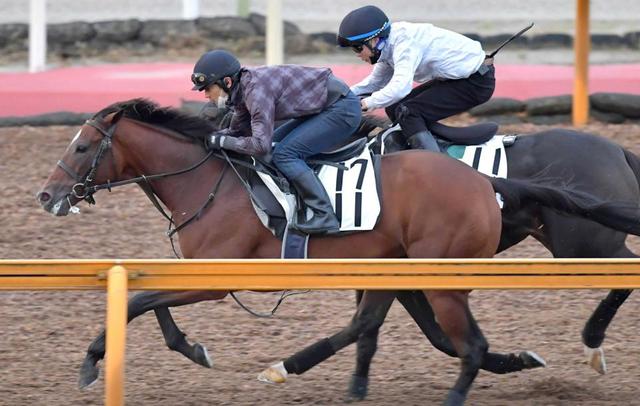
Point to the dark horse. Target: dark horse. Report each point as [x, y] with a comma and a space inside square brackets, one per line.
[595, 165]
[128, 140]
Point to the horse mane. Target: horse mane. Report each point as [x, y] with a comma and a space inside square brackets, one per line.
[195, 127]
[149, 112]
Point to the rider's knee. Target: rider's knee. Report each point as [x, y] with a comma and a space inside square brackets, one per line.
[402, 112]
[281, 155]
[391, 112]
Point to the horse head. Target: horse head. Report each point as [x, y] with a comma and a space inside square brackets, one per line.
[150, 139]
[80, 166]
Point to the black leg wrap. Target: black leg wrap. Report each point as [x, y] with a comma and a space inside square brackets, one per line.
[311, 356]
[594, 330]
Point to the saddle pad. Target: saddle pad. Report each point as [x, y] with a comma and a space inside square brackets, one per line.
[352, 189]
[489, 158]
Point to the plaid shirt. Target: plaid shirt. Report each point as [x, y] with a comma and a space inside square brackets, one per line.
[269, 93]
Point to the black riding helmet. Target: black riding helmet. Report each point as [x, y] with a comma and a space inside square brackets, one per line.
[362, 24]
[212, 67]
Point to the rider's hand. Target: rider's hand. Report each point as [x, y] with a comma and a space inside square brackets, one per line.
[363, 105]
[215, 141]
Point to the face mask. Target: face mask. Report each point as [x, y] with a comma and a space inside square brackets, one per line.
[222, 100]
[377, 50]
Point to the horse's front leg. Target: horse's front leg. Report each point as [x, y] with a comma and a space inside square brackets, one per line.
[369, 317]
[140, 304]
[594, 330]
[176, 340]
[366, 348]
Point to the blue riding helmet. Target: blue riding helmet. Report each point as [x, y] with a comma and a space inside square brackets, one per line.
[212, 67]
[361, 25]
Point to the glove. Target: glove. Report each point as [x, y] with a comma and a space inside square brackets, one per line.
[215, 141]
[363, 105]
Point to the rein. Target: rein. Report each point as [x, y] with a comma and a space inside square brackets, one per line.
[85, 191]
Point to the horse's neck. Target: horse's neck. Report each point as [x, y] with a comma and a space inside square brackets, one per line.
[149, 152]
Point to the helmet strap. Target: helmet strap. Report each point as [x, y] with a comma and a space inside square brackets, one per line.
[376, 50]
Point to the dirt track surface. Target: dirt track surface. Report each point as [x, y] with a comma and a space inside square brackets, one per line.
[44, 335]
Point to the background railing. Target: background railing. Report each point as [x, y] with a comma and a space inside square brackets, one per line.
[118, 276]
[274, 43]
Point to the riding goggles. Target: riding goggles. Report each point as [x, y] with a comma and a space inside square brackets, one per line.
[200, 81]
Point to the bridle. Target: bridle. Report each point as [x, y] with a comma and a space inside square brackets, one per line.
[81, 189]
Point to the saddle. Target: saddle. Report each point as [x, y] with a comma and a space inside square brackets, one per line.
[476, 145]
[469, 135]
[274, 200]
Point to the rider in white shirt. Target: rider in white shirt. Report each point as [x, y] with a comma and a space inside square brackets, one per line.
[452, 70]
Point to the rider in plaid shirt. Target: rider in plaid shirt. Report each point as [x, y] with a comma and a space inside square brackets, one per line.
[322, 112]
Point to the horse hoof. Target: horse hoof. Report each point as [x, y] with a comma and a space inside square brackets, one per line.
[595, 359]
[357, 389]
[88, 374]
[454, 399]
[531, 360]
[201, 356]
[271, 375]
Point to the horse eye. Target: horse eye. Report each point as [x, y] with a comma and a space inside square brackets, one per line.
[81, 148]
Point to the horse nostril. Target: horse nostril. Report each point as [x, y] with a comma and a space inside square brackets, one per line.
[43, 197]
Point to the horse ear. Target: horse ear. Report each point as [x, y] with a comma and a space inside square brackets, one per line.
[117, 116]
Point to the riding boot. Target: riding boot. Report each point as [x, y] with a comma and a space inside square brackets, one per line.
[423, 140]
[315, 197]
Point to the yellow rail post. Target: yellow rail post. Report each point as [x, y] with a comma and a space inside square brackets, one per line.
[116, 335]
[582, 43]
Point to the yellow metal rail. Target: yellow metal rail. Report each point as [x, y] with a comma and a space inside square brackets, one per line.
[117, 276]
[325, 274]
[582, 46]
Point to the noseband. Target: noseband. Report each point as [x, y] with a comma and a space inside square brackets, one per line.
[82, 189]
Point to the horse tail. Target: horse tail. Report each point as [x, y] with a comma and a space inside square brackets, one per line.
[620, 216]
[634, 163]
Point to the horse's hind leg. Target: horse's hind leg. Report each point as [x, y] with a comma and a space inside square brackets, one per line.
[451, 308]
[176, 340]
[418, 307]
[138, 305]
[369, 317]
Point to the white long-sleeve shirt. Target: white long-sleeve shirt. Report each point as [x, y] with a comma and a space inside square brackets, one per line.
[420, 53]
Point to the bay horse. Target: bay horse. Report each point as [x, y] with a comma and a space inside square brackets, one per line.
[127, 141]
[611, 172]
